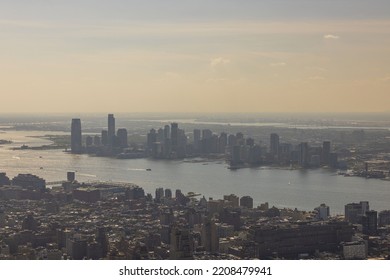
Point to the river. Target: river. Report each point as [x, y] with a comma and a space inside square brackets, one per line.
[302, 189]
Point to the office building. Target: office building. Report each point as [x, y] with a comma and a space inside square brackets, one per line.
[167, 132]
[181, 144]
[333, 160]
[174, 135]
[159, 194]
[104, 138]
[182, 244]
[197, 139]
[160, 135]
[151, 138]
[102, 240]
[232, 140]
[168, 193]
[254, 155]
[77, 247]
[246, 202]
[96, 141]
[355, 211]
[304, 154]
[236, 155]
[274, 144]
[222, 142]
[232, 198]
[70, 176]
[206, 134]
[291, 240]
[323, 212]
[250, 142]
[209, 236]
[88, 141]
[122, 138]
[325, 152]
[75, 141]
[111, 130]
[370, 222]
[384, 218]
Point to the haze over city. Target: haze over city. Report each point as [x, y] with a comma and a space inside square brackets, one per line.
[195, 56]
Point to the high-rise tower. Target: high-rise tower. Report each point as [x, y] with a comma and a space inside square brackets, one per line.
[174, 135]
[326, 152]
[122, 138]
[274, 144]
[111, 130]
[75, 137]
[304, 154]
[167, 132]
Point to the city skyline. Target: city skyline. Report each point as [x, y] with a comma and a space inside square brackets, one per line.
[180, 56]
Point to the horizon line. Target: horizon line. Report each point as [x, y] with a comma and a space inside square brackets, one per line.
[194, 112]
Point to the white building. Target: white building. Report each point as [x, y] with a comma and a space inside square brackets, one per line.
[323, 212]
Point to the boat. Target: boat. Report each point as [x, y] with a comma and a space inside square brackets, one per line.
[148, 169]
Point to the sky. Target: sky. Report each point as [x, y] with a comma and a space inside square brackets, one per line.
[194, 56]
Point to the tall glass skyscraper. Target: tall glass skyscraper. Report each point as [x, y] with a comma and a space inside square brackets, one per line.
[75, 143]
[111, 130]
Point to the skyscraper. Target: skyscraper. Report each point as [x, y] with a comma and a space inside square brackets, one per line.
[209, 235]
[304, 154]
[160, 135]
[167, 132]
[370, 222]
[182, 244]
[159, 194]
[355, 211]
[222, 142]
[89, 141]
[274, 144]
[174, 135]
[232, 140]
[325, 152]
[122, 138]
[246, 201]
[75, 137]
[197, 139]
[104, 137]
[206, 134]
[111, 130]
[151, 139]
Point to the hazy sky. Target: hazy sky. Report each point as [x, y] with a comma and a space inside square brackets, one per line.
[194, 55]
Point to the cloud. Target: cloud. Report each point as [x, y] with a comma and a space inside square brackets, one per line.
[219, 61]
[278, 64]
[331, 36]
